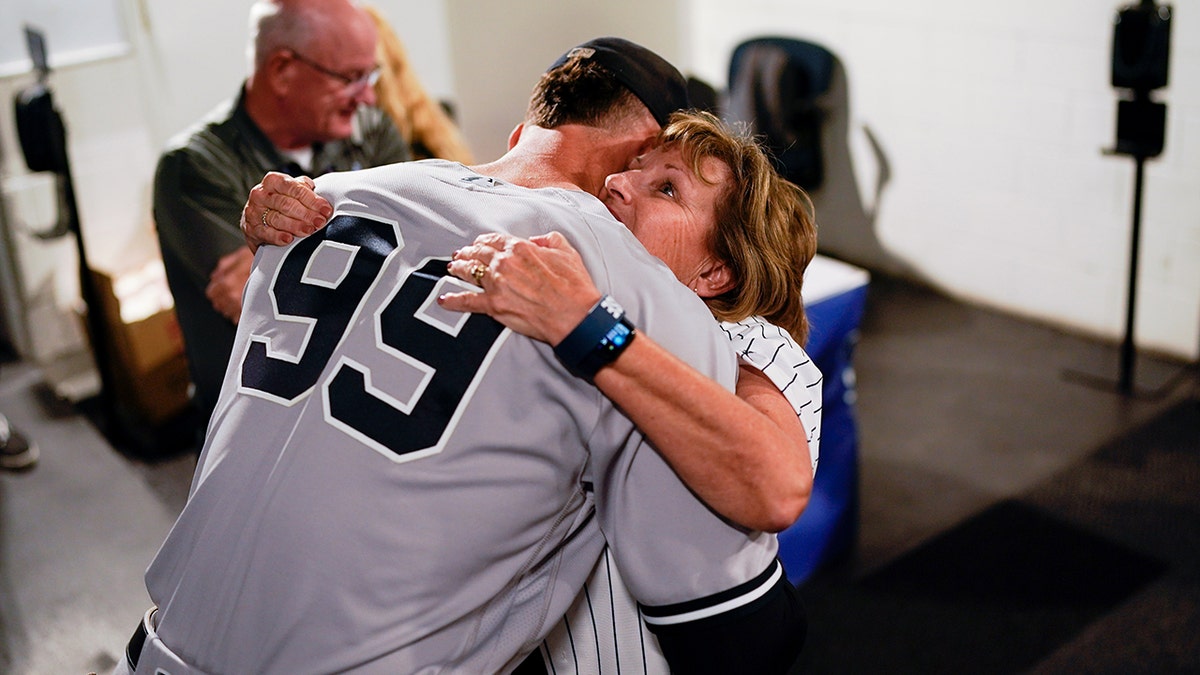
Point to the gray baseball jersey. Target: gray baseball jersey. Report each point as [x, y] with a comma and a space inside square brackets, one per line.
[390, 487]
[605, 631]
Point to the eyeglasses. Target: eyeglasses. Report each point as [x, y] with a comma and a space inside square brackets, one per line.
[354, 84]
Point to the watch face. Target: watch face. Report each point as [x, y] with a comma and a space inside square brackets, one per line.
[617, 337]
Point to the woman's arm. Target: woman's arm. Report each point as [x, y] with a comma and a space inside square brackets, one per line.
[746, 455]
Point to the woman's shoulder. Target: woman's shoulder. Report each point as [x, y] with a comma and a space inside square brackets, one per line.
[762, 345]
[766, 346]
[757, 328]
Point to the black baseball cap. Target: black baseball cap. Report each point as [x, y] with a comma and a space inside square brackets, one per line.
[655, 82]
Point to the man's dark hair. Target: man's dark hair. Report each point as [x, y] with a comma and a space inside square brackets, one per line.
[580, 91]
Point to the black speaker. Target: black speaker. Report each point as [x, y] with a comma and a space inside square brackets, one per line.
[1141, 127]
[1141, 46]
[40, 129]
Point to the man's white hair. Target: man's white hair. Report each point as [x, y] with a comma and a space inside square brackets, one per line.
[275, 24]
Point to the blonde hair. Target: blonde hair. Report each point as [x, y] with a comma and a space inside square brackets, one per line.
[421, 120]
[765, 230]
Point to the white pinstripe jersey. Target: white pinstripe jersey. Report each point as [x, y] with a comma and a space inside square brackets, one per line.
[771, 349]
[389, 487]
[605, 631]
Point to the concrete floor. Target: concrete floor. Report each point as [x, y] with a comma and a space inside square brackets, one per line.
[959, 408]
[1091, 499]
[76, 534]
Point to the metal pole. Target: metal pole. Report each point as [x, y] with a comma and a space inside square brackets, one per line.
[1125, 382]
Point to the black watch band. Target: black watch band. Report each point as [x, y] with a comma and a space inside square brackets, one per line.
[597, 341]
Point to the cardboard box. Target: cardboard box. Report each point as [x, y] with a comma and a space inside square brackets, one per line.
[146, 359]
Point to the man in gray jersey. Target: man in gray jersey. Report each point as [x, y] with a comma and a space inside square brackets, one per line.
[391, 487]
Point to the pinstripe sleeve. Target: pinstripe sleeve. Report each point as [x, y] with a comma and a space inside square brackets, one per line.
[769, 348]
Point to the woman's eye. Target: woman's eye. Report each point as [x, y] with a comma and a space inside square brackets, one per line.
[667, 189]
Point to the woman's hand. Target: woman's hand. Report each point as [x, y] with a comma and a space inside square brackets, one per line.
[281, 208]
[538, 287]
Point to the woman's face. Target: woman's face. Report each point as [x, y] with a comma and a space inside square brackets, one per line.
[670, 210]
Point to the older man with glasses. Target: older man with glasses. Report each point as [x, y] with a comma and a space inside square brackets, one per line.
[307, 108]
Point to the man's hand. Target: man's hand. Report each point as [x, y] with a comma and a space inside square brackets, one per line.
[281, 208]
[227, 282]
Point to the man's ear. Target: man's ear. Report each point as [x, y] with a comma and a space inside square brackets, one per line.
[515, 135]
[278, 72]
[716, 278]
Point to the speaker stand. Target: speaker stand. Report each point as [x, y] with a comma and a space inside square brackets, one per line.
[1128, 353]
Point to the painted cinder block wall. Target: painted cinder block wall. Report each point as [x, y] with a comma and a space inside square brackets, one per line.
[965, 146]
[991, 120]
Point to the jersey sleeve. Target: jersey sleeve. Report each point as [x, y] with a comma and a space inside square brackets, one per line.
[766, 347]
[756, 627]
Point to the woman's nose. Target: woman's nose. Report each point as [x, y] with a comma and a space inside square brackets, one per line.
[618, 185]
